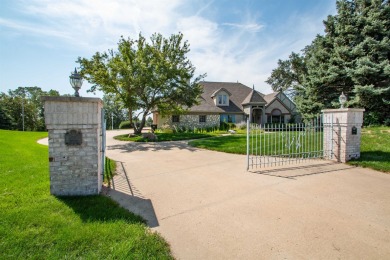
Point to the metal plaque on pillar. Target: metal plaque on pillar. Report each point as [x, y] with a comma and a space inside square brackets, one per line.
[73, 137]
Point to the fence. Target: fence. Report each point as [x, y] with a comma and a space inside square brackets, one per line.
[282, 144]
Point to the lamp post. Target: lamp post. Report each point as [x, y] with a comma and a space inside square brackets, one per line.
[76, 81]
[342, 99]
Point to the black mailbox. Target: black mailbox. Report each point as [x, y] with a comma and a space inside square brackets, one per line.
[354, 130]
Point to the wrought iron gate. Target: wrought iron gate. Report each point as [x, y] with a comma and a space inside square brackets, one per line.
[282, 144]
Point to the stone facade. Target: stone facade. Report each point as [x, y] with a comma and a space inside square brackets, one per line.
[190, 121]
[342, 133]
[75, 160]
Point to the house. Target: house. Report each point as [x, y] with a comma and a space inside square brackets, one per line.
[232, 103]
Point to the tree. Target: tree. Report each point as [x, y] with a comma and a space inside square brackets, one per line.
[146, 76]
[352, 57]
[289, 75]
[22, 108]
[6, 121]
[114, 111]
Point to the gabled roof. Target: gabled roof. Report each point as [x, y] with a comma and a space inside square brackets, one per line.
[252, 98]
[219, 90]
[282, 98]
[270, 97]
[238, 91]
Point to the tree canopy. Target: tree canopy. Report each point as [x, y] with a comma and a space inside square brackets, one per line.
[353, 56]
[146, 76]
[23, 104]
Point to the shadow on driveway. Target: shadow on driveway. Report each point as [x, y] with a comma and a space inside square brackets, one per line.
[129, 197]
[128, 147]
[319, 167]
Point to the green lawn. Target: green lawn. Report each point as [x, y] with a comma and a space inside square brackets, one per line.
[228, 144]
[271, 143]
[37, 225]
[375, 149]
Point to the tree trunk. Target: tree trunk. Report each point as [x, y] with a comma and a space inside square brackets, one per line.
[130, 116]
[138, 130]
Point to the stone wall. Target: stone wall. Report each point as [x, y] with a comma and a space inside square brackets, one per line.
[342, 133]
[75, 168]
[190, 121]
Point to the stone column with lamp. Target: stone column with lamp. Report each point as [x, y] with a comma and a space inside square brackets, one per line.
[342, 132]
[75, 152]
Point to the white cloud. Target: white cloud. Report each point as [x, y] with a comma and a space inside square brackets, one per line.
[250, 27]
[226, 51]
[100, 23]
[29, 28]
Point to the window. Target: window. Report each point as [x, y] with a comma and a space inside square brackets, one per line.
[222, 100]
[276, 117]
[228, 118]
[175, 119]
[202, 119]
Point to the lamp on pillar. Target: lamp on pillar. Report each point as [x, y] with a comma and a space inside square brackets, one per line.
[76, 81]
[342, 99]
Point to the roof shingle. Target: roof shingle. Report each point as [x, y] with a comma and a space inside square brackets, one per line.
[238, 91]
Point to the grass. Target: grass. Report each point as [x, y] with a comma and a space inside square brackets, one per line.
[374, 149]
[271, 143]
[37, 225]
[228, 144]
[109, 170]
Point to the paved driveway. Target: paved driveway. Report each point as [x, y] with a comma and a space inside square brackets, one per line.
[208, 207]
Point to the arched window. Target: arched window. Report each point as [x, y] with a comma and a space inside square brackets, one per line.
[276, 117]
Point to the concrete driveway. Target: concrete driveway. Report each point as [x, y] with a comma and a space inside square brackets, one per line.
[208, 207]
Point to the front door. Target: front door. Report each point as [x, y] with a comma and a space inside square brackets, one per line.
[256, 116]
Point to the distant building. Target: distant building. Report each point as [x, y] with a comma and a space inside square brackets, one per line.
[232, 103]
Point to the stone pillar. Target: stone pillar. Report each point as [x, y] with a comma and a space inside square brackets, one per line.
[342, 132]
[74, 126]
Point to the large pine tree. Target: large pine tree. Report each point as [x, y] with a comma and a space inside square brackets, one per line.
[353, 56]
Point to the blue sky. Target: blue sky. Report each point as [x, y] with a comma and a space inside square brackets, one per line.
[242, 40]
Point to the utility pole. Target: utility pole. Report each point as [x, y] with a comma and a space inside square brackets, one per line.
[23, 109]
[112, 120]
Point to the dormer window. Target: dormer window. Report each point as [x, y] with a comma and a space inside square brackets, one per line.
[221, 97]
[222, 100]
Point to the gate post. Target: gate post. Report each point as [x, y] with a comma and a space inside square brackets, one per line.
[74, 126]
[342, 132]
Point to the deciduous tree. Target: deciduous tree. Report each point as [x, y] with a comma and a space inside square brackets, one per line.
[146, 75]
[24, 104]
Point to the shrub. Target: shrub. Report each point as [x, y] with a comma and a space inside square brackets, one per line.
[371, 119]
[124, 125]
[127, 125]
[241, 125]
